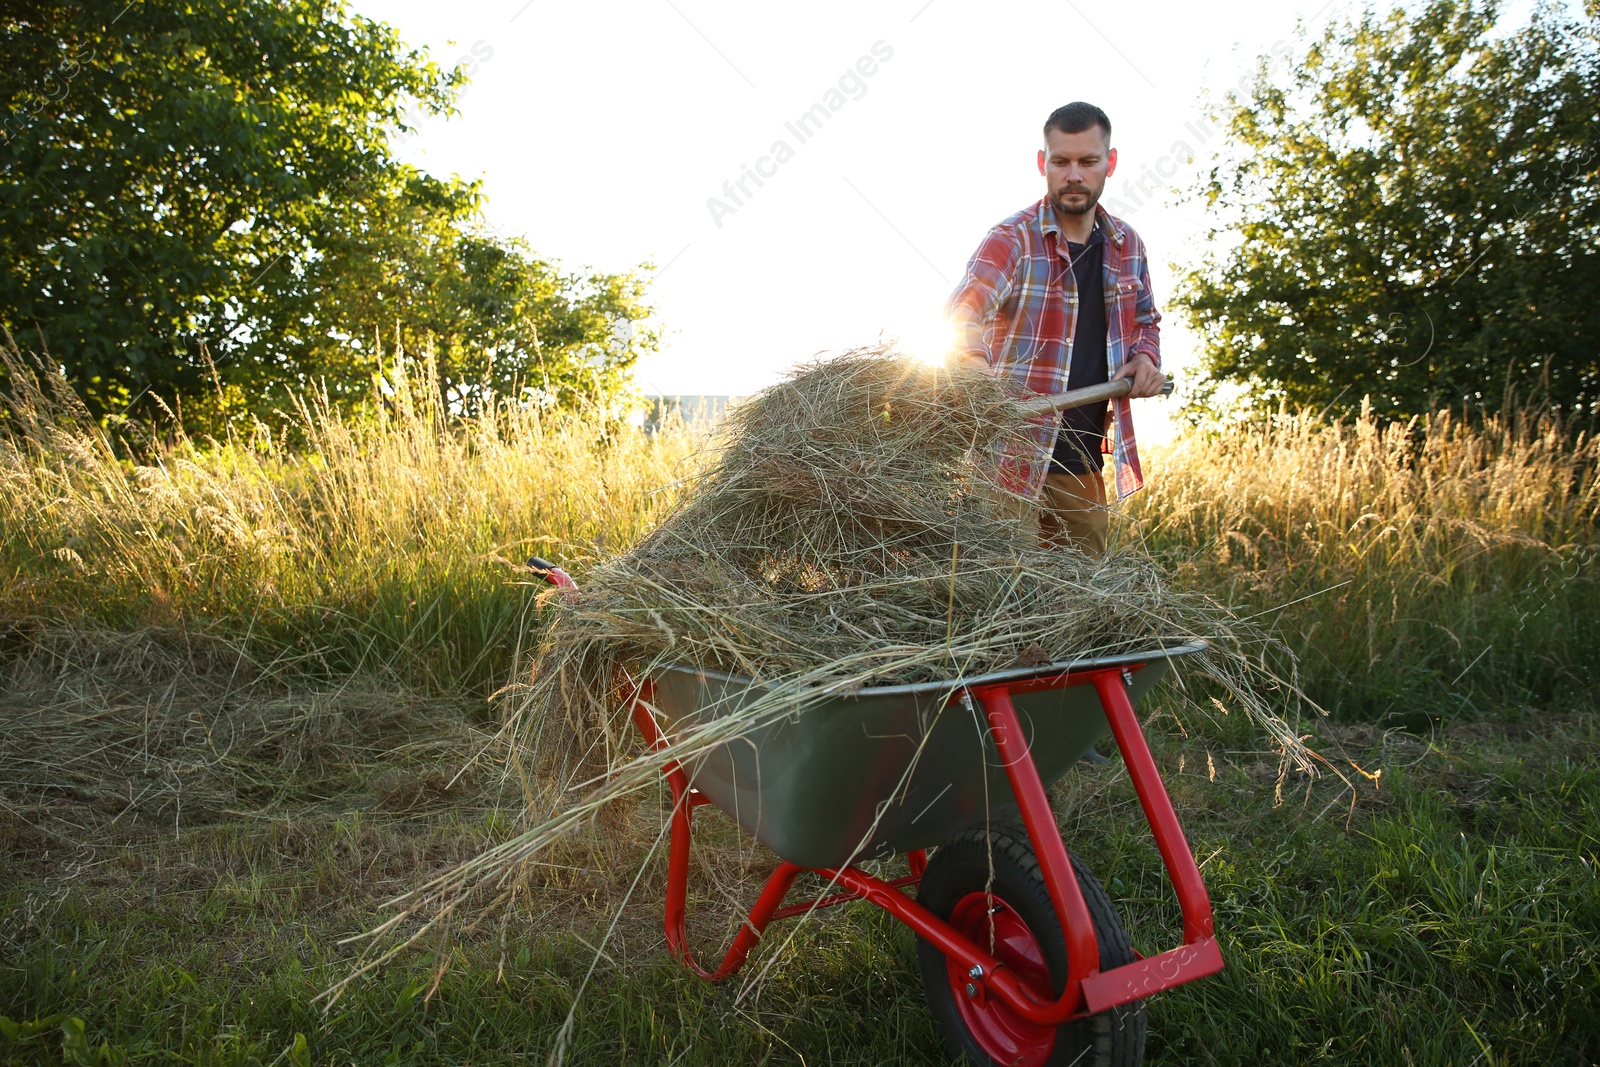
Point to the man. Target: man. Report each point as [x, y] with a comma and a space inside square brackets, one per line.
[1058, 297]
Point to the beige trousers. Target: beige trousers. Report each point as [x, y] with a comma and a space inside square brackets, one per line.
[1073, 512]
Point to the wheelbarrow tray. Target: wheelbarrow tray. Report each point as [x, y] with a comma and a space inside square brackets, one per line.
[887, 769]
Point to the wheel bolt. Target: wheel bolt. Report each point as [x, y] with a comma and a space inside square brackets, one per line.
[972, 990]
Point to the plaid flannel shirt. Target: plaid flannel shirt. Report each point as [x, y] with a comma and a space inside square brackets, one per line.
[1017, 308]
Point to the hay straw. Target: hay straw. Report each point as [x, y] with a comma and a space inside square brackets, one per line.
[848, 528]
[846, 532]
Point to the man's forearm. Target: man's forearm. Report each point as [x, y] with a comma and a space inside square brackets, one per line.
[967, 345]
[972, 308]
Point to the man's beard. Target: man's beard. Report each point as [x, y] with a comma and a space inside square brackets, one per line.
[1058, 201]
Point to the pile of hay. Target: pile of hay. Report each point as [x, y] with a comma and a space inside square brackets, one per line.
[848, 533]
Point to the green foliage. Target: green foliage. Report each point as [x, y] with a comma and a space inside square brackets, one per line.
[11, 1030]
[201, 202]
[1412, 214]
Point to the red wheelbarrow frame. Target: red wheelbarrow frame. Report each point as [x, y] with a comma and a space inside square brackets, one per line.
[1088, 990]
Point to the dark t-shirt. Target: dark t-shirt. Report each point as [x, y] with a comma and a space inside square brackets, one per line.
[1079, 447]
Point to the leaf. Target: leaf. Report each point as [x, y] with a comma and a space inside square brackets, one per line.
[75, 1045]
[1408, 214]
[238, 187]
[22, 1031]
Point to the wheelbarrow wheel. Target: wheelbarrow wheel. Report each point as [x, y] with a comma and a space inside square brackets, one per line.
[1027, 938]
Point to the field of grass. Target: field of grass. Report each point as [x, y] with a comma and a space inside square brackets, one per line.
[247, 689]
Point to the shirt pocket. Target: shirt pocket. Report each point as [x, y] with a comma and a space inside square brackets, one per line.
[1125, 302]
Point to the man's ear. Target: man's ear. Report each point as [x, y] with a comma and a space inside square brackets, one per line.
[1041, 161]
[1111, 162]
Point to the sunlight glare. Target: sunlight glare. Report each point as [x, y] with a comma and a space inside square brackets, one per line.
[929, 342]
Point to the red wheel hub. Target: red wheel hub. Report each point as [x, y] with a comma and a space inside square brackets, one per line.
[1005, 1036]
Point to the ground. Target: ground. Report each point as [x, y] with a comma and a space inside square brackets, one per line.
[187, 841]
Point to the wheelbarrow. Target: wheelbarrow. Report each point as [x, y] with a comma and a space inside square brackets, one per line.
[1022, 957]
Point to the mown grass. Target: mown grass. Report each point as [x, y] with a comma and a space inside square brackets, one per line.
[243, 701]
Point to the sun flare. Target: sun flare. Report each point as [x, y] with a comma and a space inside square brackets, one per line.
[929, 342]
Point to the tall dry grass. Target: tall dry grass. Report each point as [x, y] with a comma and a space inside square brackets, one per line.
[391, 545]
[1441, 566]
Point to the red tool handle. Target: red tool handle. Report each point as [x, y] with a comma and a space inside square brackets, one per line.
[551, 573]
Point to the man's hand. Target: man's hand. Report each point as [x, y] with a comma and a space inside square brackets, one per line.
[1147, 378]
[968, 362]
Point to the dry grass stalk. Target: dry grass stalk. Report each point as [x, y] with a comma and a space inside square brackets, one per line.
[170, 728]
[378, 544]
[847, 532]
[1411, 564]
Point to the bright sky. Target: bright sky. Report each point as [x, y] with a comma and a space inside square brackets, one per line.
[601, 132]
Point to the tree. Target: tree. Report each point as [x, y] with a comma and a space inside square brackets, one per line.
[1411, 215]
[498, 320]
[202, 200]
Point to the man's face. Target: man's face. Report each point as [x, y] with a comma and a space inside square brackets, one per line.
[1075, 167]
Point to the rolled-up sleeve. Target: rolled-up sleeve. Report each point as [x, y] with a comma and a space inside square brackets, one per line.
[975, 305]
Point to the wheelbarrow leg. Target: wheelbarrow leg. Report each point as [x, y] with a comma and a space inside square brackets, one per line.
[1199, 955]
[685, 798]
[1174, 847]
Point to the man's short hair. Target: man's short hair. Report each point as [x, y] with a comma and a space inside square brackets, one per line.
[1075, 118]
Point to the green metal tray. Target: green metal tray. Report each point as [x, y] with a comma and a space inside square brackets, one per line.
[888, 769]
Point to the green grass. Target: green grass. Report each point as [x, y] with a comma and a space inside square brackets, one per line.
[238, 680]
[1450, 916]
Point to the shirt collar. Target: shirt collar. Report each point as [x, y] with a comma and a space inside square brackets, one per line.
[1104, 221]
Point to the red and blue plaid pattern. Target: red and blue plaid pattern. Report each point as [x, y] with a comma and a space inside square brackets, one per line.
[1017, 308]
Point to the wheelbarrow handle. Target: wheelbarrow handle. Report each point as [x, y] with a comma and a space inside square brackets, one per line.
[1077, 398]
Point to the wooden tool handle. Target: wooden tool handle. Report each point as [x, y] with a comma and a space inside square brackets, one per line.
[1077, 398]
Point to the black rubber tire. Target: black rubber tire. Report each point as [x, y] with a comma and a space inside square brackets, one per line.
[1113, 1038]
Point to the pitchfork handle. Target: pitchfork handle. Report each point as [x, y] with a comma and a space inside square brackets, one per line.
[1077, 398]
